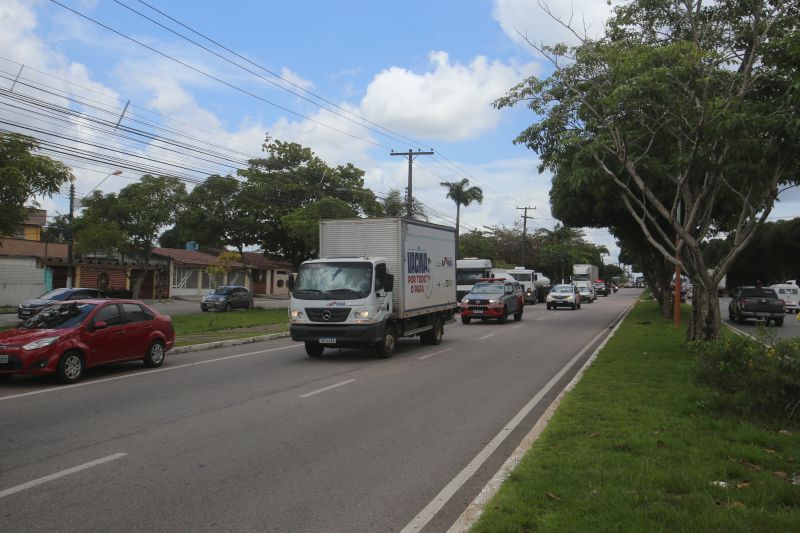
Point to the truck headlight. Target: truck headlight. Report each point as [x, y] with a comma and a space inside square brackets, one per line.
[295, 314]
[361, 314]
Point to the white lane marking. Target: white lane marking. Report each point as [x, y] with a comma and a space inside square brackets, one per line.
[543, 317]
[462, 477]
[517, 326]
[487, 336]
[329, 387]
[145, 373]
[435, 353]
[68, 471]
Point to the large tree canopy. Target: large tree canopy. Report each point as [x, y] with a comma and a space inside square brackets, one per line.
[690, 109]
[129, 223]
[23, 177]
[287, 182]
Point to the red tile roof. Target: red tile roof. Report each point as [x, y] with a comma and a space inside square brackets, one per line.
[187, 257]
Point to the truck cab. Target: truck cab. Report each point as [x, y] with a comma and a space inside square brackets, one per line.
[526, 278]
[340, 302]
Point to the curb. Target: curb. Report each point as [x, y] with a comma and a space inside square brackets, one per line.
[231, 342]
[475, 509]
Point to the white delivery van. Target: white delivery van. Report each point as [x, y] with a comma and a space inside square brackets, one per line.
[376, 280]
[790, 294]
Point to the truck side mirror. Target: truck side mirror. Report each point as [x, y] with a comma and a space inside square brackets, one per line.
[290, 282]
[388, 282]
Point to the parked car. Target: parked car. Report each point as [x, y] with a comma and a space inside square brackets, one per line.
[760, 303]
[790, 294]
[566, 295]
[28, 308]
[67, 338]
[492, 298]
[226, 298]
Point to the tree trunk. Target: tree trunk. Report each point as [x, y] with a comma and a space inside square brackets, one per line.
[136, 286]
[705, 321]
[458, 220]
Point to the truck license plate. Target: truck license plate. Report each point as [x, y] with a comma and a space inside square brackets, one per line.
[327, 340]
[477, 311]
[3, 358]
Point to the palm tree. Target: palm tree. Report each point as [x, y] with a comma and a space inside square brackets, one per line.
[461, 195]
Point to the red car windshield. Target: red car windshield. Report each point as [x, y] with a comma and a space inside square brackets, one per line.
[61, 316]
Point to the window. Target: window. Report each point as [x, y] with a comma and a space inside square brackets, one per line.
[279, 283]
[184, 278]
[134, 313]
[108, 314]
[380, 273]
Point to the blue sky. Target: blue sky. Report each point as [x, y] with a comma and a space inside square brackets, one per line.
[427, 71]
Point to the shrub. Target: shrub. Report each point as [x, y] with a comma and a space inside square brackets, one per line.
[759, 378]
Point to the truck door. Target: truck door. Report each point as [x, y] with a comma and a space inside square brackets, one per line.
[381, 292]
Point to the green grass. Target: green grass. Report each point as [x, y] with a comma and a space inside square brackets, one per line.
[636, 447]
[206, 322]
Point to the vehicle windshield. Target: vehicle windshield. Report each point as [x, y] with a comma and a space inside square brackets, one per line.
[519, 276]
[328, 281]
[487, 288]
[469, 276]
[222, 290]
[61, 316]
[56, 294]
[563, 288]
[758, 293]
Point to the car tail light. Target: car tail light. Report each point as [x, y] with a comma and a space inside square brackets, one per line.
[742, 304]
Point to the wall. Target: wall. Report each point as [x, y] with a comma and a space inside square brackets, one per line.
[20, 279]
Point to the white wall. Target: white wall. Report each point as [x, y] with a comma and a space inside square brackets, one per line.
[20, 280]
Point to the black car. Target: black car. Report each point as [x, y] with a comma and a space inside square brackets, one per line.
[28, 308]
[601, 288]
[226, 298]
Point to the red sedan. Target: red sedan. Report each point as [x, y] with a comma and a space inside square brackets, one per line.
[67, 338]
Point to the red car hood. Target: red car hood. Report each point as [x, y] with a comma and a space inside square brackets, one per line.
[24, 336]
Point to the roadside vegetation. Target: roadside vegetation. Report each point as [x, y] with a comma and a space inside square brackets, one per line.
[208, 327]
[643, 443]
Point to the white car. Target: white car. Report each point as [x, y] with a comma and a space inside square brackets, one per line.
[790, 294]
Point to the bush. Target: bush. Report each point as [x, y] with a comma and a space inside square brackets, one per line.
[756, 377]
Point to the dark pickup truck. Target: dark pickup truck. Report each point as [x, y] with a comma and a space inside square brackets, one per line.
[756, 303]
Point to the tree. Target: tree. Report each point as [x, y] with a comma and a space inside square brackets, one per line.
[23, 177]
[461, 195]
[303, 223]
[129, 223]
[394, 205]
[562, 247]
[690, 110]
[292, 178]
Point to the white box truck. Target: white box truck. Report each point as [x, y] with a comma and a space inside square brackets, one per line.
[376, 280]
[469, 271]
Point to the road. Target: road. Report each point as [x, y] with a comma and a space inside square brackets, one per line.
[260, 437]
[172, 307]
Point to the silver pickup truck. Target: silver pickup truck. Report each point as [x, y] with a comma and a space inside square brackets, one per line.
[756, 303]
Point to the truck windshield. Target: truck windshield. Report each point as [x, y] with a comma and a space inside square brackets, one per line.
[519, 276]
[329, 281]
[469, 276]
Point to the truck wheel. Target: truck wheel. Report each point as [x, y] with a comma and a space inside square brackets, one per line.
[504, 317]
[739, 319]
[385, 348]
[434, 336]
[314, 349]
[518, 316]
[778, 322]
[466, 319]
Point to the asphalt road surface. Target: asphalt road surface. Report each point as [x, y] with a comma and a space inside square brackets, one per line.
[262, 438]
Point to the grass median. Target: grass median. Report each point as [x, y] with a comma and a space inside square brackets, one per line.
[201, 328]
[637, 446]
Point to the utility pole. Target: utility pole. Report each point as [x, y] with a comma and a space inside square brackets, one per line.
[71, 235]
[410, 198]
[525, 218]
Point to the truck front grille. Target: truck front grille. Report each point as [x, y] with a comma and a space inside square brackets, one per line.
[326, 314]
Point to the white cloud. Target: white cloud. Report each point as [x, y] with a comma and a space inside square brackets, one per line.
[295, 79]
[451, 103]
[527, 17]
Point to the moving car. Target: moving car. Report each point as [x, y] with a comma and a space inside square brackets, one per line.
[790, 294]
[28, 308]
[566, 295]
[67, 338]
[226, 298]
[493, 298]
[600, 288]
[760, 303]
[586, 291]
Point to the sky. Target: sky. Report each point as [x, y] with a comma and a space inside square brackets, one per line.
[351, 80]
